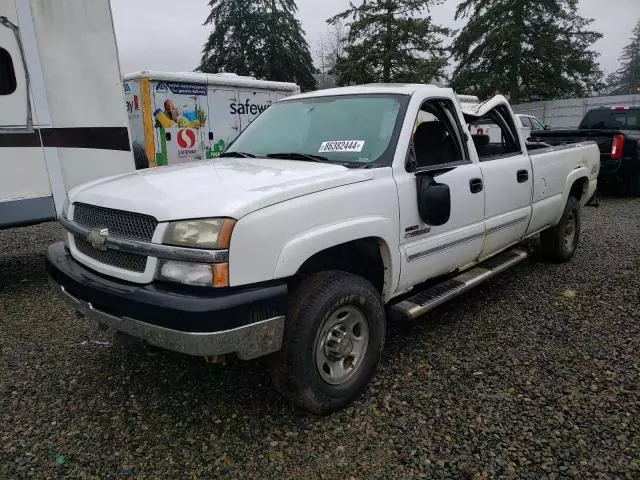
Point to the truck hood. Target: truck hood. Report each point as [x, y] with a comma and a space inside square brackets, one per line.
[219, 188]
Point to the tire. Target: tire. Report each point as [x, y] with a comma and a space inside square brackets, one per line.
[140, 156]
[334, 336]
[559, 243]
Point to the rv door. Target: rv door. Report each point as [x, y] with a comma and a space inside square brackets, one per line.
[224, 121]
[252, 103]
[14, 107]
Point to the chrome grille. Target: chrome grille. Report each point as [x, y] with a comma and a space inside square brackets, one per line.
[124, 224]
[114, 258]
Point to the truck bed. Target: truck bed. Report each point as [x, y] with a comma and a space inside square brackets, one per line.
[604, 139]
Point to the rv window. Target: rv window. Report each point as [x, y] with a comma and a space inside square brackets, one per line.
[8, 83]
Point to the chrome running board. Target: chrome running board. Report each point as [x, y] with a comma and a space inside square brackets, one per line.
[425, 301]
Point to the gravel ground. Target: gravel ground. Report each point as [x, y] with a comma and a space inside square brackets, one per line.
[534, 375]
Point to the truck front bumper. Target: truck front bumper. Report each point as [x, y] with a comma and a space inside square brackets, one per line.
[248, 321]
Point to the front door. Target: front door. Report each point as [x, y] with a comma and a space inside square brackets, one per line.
[441, 152]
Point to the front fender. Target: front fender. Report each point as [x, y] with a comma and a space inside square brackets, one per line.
[303, 246]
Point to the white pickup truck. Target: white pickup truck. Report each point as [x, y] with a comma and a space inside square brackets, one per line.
[327, 215]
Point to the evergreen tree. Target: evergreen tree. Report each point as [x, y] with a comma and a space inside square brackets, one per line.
[627, 79]
[260, 38]
[329, 48]
[526, 48]
[391, 41]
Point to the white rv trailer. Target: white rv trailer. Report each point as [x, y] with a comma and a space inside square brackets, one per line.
[62, 116]
[179, 117]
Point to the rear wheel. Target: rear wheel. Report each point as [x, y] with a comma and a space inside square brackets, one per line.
[559, 243]
[334, 337]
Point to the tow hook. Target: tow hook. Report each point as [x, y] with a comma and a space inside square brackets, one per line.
[215, 359]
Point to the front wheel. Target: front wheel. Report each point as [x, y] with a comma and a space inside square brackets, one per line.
[334, 336]
[559, 243]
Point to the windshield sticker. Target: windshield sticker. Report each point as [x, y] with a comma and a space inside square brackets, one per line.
[342, 146]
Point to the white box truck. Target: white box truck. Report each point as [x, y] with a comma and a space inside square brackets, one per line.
[180, 117]
[62, 115]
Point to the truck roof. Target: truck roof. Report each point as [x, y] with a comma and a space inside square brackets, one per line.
[389, 88]
[221, 79]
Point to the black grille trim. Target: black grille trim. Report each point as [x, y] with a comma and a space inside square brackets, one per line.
[124, 224]
[113, 258]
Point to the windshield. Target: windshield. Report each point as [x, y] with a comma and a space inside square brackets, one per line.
[611, 119]
[347, 129]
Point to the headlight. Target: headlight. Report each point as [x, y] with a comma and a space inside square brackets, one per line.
[213, 234]
[197, 274]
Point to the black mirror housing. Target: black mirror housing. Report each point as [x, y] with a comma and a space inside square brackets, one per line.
[434, 201]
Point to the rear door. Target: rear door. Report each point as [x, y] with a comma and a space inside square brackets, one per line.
[224, 122]
[507, 173]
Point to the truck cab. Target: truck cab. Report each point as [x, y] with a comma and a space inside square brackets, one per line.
[331, 213]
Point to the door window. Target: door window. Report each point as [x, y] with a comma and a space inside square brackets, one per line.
[537, 124]
[14, 103]
[437, 137]
[8, 83]
[495, 135]
[526, 122]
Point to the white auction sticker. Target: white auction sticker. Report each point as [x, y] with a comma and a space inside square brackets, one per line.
[342, 146]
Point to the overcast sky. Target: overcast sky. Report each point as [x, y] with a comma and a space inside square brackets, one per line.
[168, 34]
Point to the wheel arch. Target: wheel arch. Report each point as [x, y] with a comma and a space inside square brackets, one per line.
[356, 247]
[576, 186]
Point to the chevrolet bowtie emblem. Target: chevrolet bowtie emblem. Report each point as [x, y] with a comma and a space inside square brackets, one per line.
[98, 238]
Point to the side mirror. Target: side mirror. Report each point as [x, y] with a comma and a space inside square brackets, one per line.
[547, 127]
[434, 201]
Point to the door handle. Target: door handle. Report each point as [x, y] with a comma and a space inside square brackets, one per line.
[476, 185]
[523, 176]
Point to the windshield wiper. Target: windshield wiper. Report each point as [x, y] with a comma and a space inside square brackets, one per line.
[237, 155]
[298, 156]
[355, 165]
